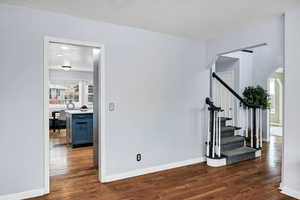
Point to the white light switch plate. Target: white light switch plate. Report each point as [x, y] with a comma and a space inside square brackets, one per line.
[111, 106]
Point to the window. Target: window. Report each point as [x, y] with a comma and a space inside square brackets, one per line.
[90, 94]
[272, 95]
[63, 92]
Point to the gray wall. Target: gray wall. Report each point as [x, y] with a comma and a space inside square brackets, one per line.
[291, 156]
[224, 66]
[244, 69]
[157, 81]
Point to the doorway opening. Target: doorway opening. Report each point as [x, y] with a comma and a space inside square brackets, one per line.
[235, 68]
[226, 68]
[73, 108]
[275, 88]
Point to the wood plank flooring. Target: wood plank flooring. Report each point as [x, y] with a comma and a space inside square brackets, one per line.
[74, 178]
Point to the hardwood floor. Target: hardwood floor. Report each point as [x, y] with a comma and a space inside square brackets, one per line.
[66, 160]
[74, 178]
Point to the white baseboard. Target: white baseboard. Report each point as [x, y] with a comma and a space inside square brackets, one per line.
[289, 191]
[149, 170]
[40, 192]
[23, 195]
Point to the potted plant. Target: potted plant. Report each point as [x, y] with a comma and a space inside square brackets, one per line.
[257, 96]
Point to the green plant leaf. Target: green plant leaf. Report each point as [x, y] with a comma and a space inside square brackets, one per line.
[257, 96]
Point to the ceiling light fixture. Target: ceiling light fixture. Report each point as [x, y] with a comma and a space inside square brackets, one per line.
[64, 48]
[66, 67]
[59, 55]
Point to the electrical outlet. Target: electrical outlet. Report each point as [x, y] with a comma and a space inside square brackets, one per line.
[138, 157]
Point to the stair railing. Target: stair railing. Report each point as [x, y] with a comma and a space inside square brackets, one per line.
[214, 130]
[252, 115]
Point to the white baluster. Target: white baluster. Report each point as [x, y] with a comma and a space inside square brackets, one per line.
[232, 111]
[215, 92]
[227, 107]
[247, 122]
[221, 99]
[208, 134]
[242, 123]
[239, 122]
[214, 135]
[217, 132]
[260, 128]
[257, 127]
[219, 128]
[220, 143]
[251, 126]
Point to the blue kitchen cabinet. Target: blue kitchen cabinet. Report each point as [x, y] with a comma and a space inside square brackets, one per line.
[80, 129]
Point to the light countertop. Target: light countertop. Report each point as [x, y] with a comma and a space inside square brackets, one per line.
[74, 112]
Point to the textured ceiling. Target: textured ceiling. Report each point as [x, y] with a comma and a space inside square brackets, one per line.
[199, 19]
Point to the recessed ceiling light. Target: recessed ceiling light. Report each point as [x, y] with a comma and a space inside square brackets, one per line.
[66, 67]
[59, 55]
[64, 47]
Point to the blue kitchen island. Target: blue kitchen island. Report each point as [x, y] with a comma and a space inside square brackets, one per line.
[79, 127]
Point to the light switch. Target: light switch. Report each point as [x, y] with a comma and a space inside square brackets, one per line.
[111, 106]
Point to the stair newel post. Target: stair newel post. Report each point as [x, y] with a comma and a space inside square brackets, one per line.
[213, 137]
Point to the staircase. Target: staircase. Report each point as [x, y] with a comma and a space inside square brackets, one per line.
[227, 144]
[233, 147]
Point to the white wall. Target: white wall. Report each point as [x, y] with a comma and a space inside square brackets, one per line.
[291, 157]
[265, 59]
[245, 69]
[158, 82]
